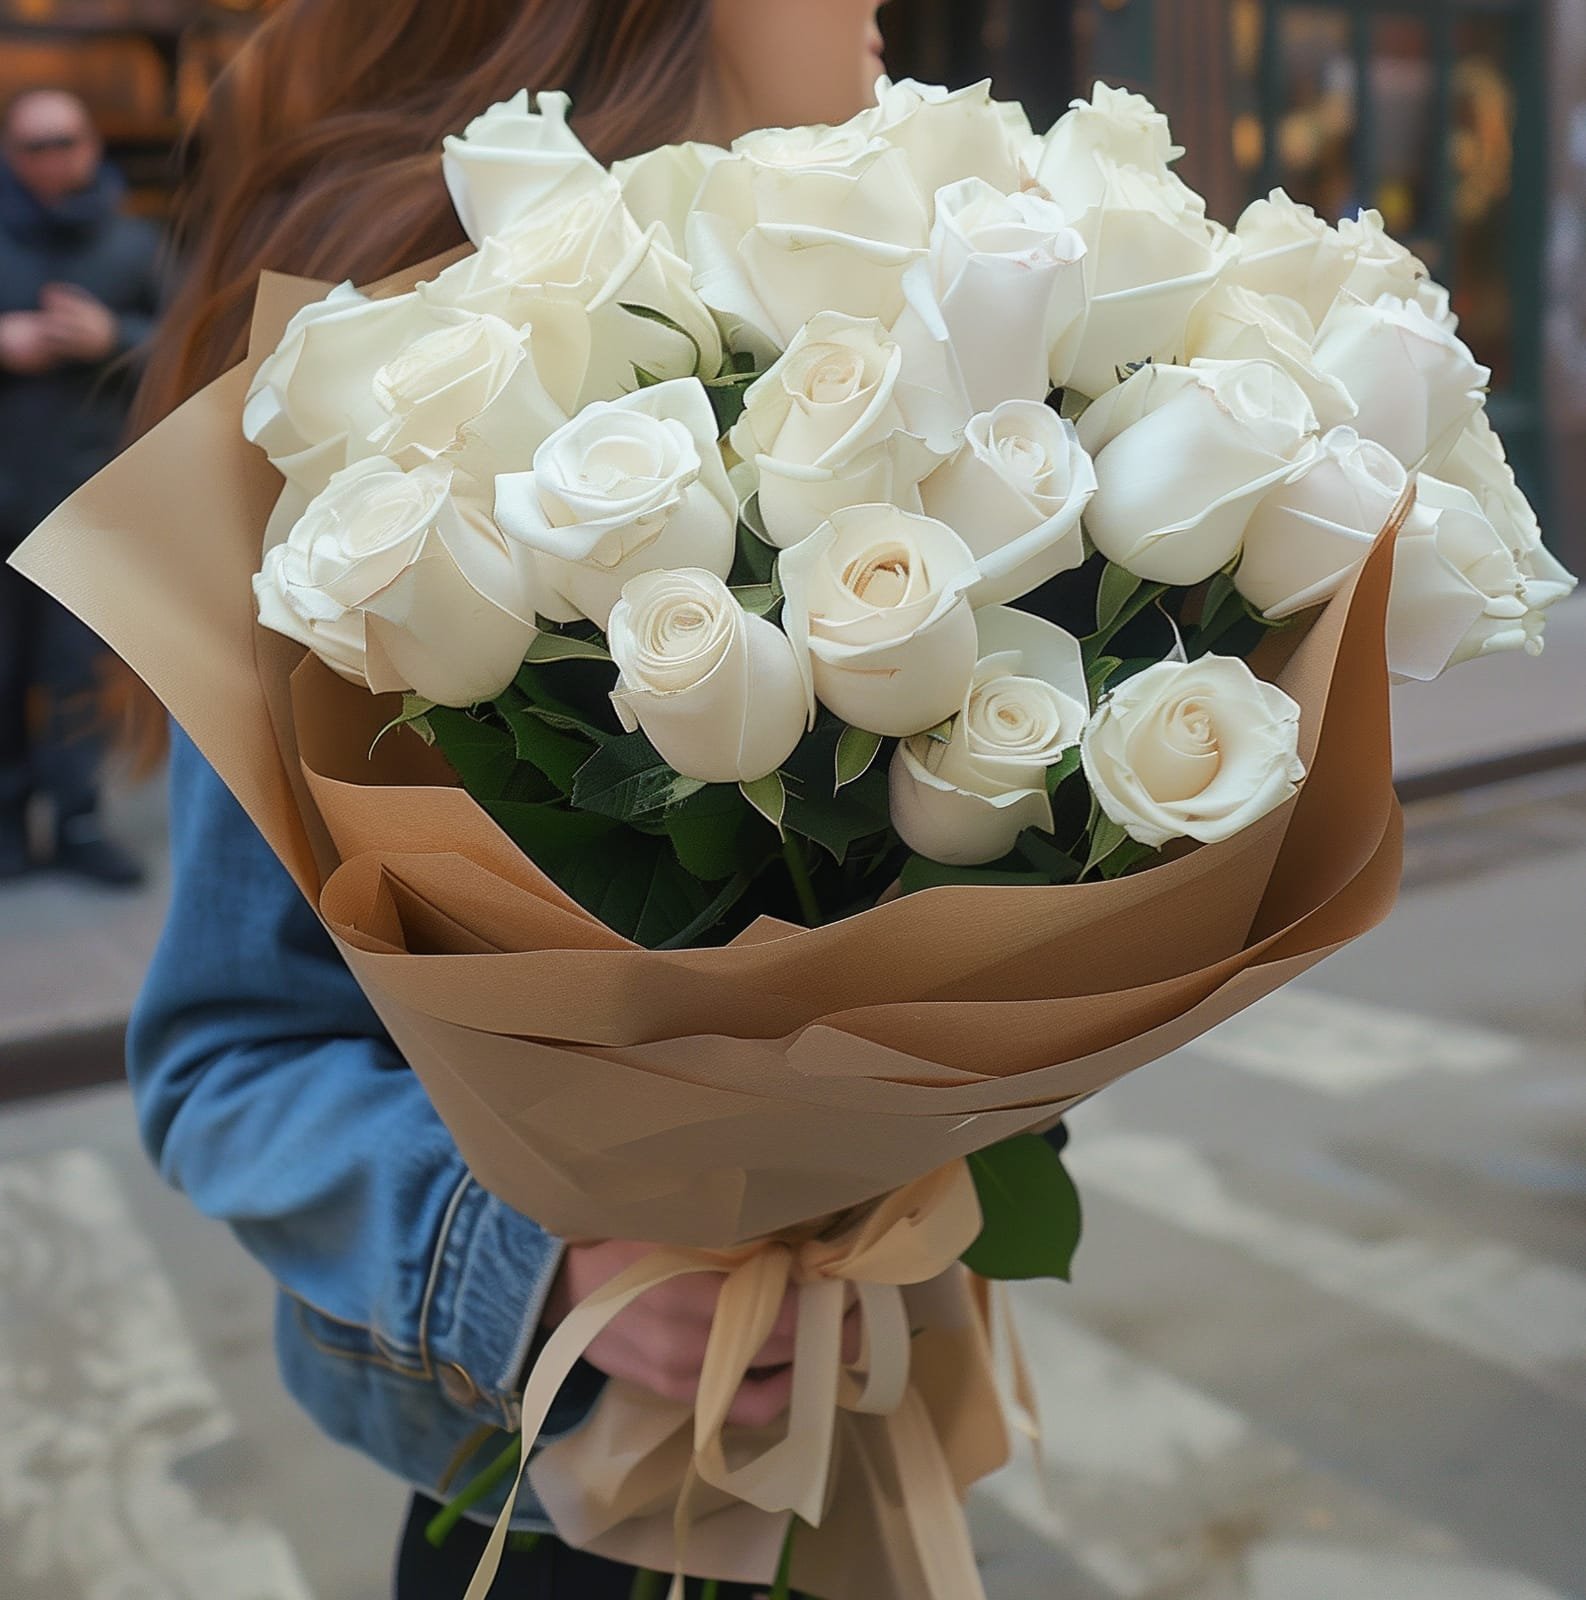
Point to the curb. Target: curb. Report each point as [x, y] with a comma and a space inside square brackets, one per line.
[56, 1063]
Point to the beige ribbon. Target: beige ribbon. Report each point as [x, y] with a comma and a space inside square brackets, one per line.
[911, 1236]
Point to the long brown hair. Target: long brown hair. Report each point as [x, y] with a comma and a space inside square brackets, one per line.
[318, 153]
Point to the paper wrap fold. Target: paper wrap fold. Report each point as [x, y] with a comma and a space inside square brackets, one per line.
[703, 1098]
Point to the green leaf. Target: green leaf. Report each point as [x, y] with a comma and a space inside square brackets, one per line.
[556, 838]
[1074, 405]
[1105, 837]
[757, 556]
[1125, 858]
[650, 314]
[645, 378]
[1031, 1213]
[1097, 674]
[856, 754]
[635, 884]
[626, 779]
[713, 834]
[1043, 853]
[919, 872]
[759, 599]
[1140, 597]
[481, 752]
[414, 715]
[942, 733]
[1060, 772]
[555, 752]
[768, 795]
[731, 893]
[1118, 585]
[835, 819]
[549, 647]
[729, 398]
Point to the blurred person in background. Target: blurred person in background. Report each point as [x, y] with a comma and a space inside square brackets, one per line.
[79, 285]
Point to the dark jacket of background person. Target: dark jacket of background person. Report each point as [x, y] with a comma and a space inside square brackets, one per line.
[58, 428]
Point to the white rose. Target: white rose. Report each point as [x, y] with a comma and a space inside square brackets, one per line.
[1004, 281]
[1115, 127]
[947, 135]
[1015, 494]
[965, 801]
[569, 270]
[1198, 749]
[1236, 324]
[1183, 455]
[822, 428]
[662, 184]
[1307, 536]
[717, 691]
[803, 220]
[1416, 385]
[1382, 265]
[354, 378]
[1287, 249]
[1149, 258]
[1460, 590]
[1479, 464]
[399, 585]
[628, 486]
[511, 161]
[878, 611]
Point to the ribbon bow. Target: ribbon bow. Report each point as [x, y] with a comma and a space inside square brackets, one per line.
[910, 1237]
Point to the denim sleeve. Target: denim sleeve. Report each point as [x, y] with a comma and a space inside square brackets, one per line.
[267, 1090]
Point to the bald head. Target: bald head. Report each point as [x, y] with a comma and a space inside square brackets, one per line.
[49, 141]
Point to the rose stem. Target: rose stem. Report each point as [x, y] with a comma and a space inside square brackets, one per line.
[782, 1589]
[798, 870]
[441, 1524]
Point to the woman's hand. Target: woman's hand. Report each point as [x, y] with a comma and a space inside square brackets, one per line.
[659, 1341]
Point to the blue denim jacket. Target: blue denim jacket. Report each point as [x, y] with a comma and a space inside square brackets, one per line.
[267, 1091]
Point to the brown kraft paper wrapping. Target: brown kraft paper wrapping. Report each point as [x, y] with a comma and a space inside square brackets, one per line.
[704, 1098]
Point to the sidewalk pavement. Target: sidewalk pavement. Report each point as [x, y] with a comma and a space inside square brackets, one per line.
[72, 957]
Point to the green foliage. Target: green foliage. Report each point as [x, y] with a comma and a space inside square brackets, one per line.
[650, 314]
[1118, 586]
[768, 795]
[729, 399]
[755, 562]
[759, 599]
[716, 835]
[1030, 1209]
[626, 779]
[1047, 857]
[856, 754]
[414, 715]
[1106, 836]
[548, 647]
[919, 872]
[1061, 771]
[1098, 674]
[1114, 614]
[835, 818]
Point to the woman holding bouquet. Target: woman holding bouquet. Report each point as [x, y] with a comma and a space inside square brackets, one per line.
[411, 1299]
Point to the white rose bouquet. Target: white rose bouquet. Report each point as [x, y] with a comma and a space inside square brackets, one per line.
[819, 655]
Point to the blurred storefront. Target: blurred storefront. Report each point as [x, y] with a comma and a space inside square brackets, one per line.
[1462, 121]
[142, 65]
